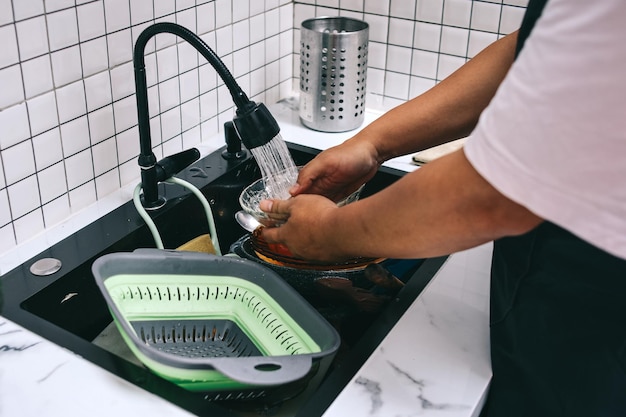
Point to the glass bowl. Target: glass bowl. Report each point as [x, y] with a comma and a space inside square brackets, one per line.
[276, 187]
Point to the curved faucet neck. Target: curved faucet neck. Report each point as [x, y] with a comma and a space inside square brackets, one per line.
[239, 97]
[147, 159]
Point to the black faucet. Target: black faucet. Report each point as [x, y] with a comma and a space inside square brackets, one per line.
[253, 123]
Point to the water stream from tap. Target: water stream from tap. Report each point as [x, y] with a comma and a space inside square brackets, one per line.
[277, 166]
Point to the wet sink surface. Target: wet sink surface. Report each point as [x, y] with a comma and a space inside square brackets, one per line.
[68, 309]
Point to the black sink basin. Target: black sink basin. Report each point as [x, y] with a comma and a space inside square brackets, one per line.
[68, 309]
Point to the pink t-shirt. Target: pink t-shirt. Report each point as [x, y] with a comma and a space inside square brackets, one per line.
[554, 137]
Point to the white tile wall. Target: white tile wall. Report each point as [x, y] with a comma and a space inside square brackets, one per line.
[418, 43]
[68, 124]
[13, 126]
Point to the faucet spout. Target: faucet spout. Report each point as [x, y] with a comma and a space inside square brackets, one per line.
[253, 122]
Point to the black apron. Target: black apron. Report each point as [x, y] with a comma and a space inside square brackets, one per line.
[558, 321]
[558, 327]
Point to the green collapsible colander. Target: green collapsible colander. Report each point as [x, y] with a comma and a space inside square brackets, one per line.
[212, 323]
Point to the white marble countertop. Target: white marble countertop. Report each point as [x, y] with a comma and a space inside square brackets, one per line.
[434, 362]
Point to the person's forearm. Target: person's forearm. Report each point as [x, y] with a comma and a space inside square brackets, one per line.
[443, 207]
[446, 112]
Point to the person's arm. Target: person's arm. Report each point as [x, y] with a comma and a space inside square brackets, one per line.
[443, 207]
[448, 111]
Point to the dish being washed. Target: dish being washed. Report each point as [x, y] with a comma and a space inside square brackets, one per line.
[278, 254]
[276, 187]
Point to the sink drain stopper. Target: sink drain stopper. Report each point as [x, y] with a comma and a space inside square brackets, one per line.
[45, 267]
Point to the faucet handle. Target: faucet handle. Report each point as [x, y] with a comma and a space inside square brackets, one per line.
[233, 143]
[173, 164]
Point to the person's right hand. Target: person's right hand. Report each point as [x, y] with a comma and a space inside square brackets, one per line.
[338, 171]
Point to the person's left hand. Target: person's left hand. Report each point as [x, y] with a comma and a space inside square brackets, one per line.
[303, 226]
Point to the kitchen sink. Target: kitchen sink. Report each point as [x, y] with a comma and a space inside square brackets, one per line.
[68, 309]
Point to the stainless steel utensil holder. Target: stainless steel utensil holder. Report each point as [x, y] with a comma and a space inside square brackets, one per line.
[333, 73]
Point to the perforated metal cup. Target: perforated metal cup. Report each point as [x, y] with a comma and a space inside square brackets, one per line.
[333, 73]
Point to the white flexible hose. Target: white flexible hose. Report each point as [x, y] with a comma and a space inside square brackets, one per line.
[146, 218]
[205, 204]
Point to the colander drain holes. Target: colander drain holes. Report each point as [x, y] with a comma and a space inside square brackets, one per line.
[167, 293]
[196, 338]
[203, 338]
[249, 395]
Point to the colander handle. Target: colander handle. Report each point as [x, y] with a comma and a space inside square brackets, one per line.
[265, 370]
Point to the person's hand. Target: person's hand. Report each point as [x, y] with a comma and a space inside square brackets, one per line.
[337, 172]
[301, 228]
